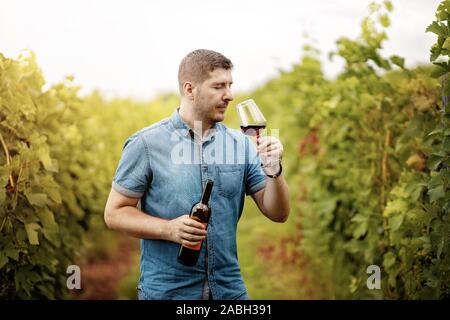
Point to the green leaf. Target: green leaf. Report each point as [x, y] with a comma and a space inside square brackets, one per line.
[446, 44]
[398, 61]
[51, 188]
[388, 260]
[438, 71]
[447, 207]
[396, 206]
[51, 228]
[446, 144]
[11, 252]
[360, 230]
[432, 282]
[43, 154]
[434, 161]
[435, 52]
[3, 260]
[32, 234]
[436, 193]
[4, 176]
[353, 286]
[47, 218]
[54, 166]
[384, 20]
[442, 13]
[396, 221]
[436, 179]
[2, 196]
[416, 192]
[392, 279]
[37, 199]
[53, 236]
[71, 201]
[436, 28]
[27, 215]
[435, 132]
[440, 247]
[388, 5]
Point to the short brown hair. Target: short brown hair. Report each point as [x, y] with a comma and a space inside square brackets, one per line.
[197, 65]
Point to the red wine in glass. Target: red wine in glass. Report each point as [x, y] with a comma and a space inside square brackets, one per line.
[253, 130]
[251, 119]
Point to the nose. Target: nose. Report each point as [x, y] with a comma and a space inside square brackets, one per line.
[228, 95]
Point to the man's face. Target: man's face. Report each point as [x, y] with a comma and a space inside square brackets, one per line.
[211, 97]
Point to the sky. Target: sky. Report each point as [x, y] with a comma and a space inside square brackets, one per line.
[133, 48]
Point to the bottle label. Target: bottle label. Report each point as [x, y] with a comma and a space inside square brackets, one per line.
[199, 245]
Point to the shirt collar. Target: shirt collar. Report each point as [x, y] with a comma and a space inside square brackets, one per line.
[185, 130]
[179, 124]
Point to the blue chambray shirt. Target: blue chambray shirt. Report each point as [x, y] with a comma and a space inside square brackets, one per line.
[165, 167]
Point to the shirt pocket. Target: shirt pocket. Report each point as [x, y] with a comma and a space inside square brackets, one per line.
[229, 179]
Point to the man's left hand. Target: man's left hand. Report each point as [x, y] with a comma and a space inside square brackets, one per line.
[270, 151]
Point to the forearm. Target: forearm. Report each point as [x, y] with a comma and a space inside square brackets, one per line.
[276, 199]
[274, 202]
[136, 223]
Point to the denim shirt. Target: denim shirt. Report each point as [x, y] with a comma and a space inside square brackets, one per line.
[166, 168]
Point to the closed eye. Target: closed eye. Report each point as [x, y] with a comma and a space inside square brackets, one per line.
[220, 86]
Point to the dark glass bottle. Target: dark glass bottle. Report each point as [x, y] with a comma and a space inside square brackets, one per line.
[188, 255]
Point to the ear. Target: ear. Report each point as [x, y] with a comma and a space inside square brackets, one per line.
[188, 90]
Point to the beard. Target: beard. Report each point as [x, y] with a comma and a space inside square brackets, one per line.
[207, 112]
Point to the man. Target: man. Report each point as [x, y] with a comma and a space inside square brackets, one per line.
[165, 166]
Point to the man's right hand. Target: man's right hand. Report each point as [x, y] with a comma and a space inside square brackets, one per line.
[186, 231]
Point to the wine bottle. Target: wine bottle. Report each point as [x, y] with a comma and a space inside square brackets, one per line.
[201, 212]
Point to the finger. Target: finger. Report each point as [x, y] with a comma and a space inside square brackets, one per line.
[187, 243]
[266, 139]
[263, 142]
[192, 223]
[191, 237]
[271, 143]
[196, 231]
[271, 153]
[271, 147]
[270, 159]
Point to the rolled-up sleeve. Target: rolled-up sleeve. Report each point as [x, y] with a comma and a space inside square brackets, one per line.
[256, 179]
[133, 173]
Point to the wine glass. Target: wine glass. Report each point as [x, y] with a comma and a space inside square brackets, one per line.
[251, 118]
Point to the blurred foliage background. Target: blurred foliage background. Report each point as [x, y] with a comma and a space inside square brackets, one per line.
[366, 159]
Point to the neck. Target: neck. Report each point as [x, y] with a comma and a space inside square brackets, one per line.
[188, 114]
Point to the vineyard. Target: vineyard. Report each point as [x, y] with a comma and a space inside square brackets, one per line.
[367, 160]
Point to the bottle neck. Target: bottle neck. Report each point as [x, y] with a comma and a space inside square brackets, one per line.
[206, 192]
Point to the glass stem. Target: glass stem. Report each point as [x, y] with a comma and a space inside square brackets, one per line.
[257, 137]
